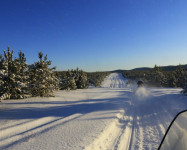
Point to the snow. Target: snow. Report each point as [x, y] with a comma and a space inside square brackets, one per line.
[114, 81]
[177, 135]
[111, 117]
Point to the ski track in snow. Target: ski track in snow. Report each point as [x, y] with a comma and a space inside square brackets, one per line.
[113, 117]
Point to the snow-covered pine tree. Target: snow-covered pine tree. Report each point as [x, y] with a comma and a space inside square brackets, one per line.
[163, 79]
[185, 83]
[82, 80]
[68, 83]
[157, 78]
[55, 80]
[9, 83]
[71, 84]
[76, 74]
[172, 81]
[97, 83]
[3, 73]
[179, 75]
[22, 75]
[42, 80]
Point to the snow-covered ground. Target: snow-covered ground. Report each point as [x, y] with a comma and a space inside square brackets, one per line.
[111, 117]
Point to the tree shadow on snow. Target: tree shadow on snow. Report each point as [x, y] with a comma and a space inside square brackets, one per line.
[70, 108]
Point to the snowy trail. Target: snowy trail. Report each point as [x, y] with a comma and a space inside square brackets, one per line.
[112, 117]
[114, 81]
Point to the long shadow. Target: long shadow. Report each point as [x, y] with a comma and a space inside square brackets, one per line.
[86, 106]
[122, 95]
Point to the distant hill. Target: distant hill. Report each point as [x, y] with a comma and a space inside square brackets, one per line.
[142, 68]
[118, 71]
[164, 68]
[172, 68]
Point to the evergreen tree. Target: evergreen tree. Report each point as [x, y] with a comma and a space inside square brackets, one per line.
[42, 79]
[157, 78]
[82, 80]
[71, 84]
[172, 81]
[179, 75]
[22, 74]
[3, 75]
[68, 83]
[74, 79]
[185, 83]
[9, 82]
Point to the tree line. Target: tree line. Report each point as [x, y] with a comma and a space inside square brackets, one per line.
[73, 79]
[21, 80]
[96, 78]
[159, 78]
[78, 79]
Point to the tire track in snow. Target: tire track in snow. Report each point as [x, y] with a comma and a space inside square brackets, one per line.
[115, 80]
[133, 131]
[117, 135]
[114, 135]
[108, 138]
[138, 127]
[22, 131]
[151, 123]
[125, 136]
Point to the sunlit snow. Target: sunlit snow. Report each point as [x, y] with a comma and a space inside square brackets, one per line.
[111, 117]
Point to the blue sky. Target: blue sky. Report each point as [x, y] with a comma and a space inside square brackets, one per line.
[97, 35]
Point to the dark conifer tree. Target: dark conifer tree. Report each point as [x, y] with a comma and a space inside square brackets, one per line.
[179, 75]
[82, 80]
[22, 74]
[172, 81]
[9, 70]
[41, 77]
[157, 78]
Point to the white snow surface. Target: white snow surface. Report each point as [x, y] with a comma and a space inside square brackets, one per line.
[177, 135]
[113, 117]
[115, 80]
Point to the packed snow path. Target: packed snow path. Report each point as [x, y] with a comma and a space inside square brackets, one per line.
[114, 81]
[112, 117]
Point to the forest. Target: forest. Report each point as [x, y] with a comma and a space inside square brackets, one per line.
[21, 80]
[157, 77]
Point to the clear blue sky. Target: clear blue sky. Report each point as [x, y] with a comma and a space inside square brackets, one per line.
[97, 34]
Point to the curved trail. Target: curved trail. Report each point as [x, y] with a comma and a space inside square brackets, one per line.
[114, 117]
